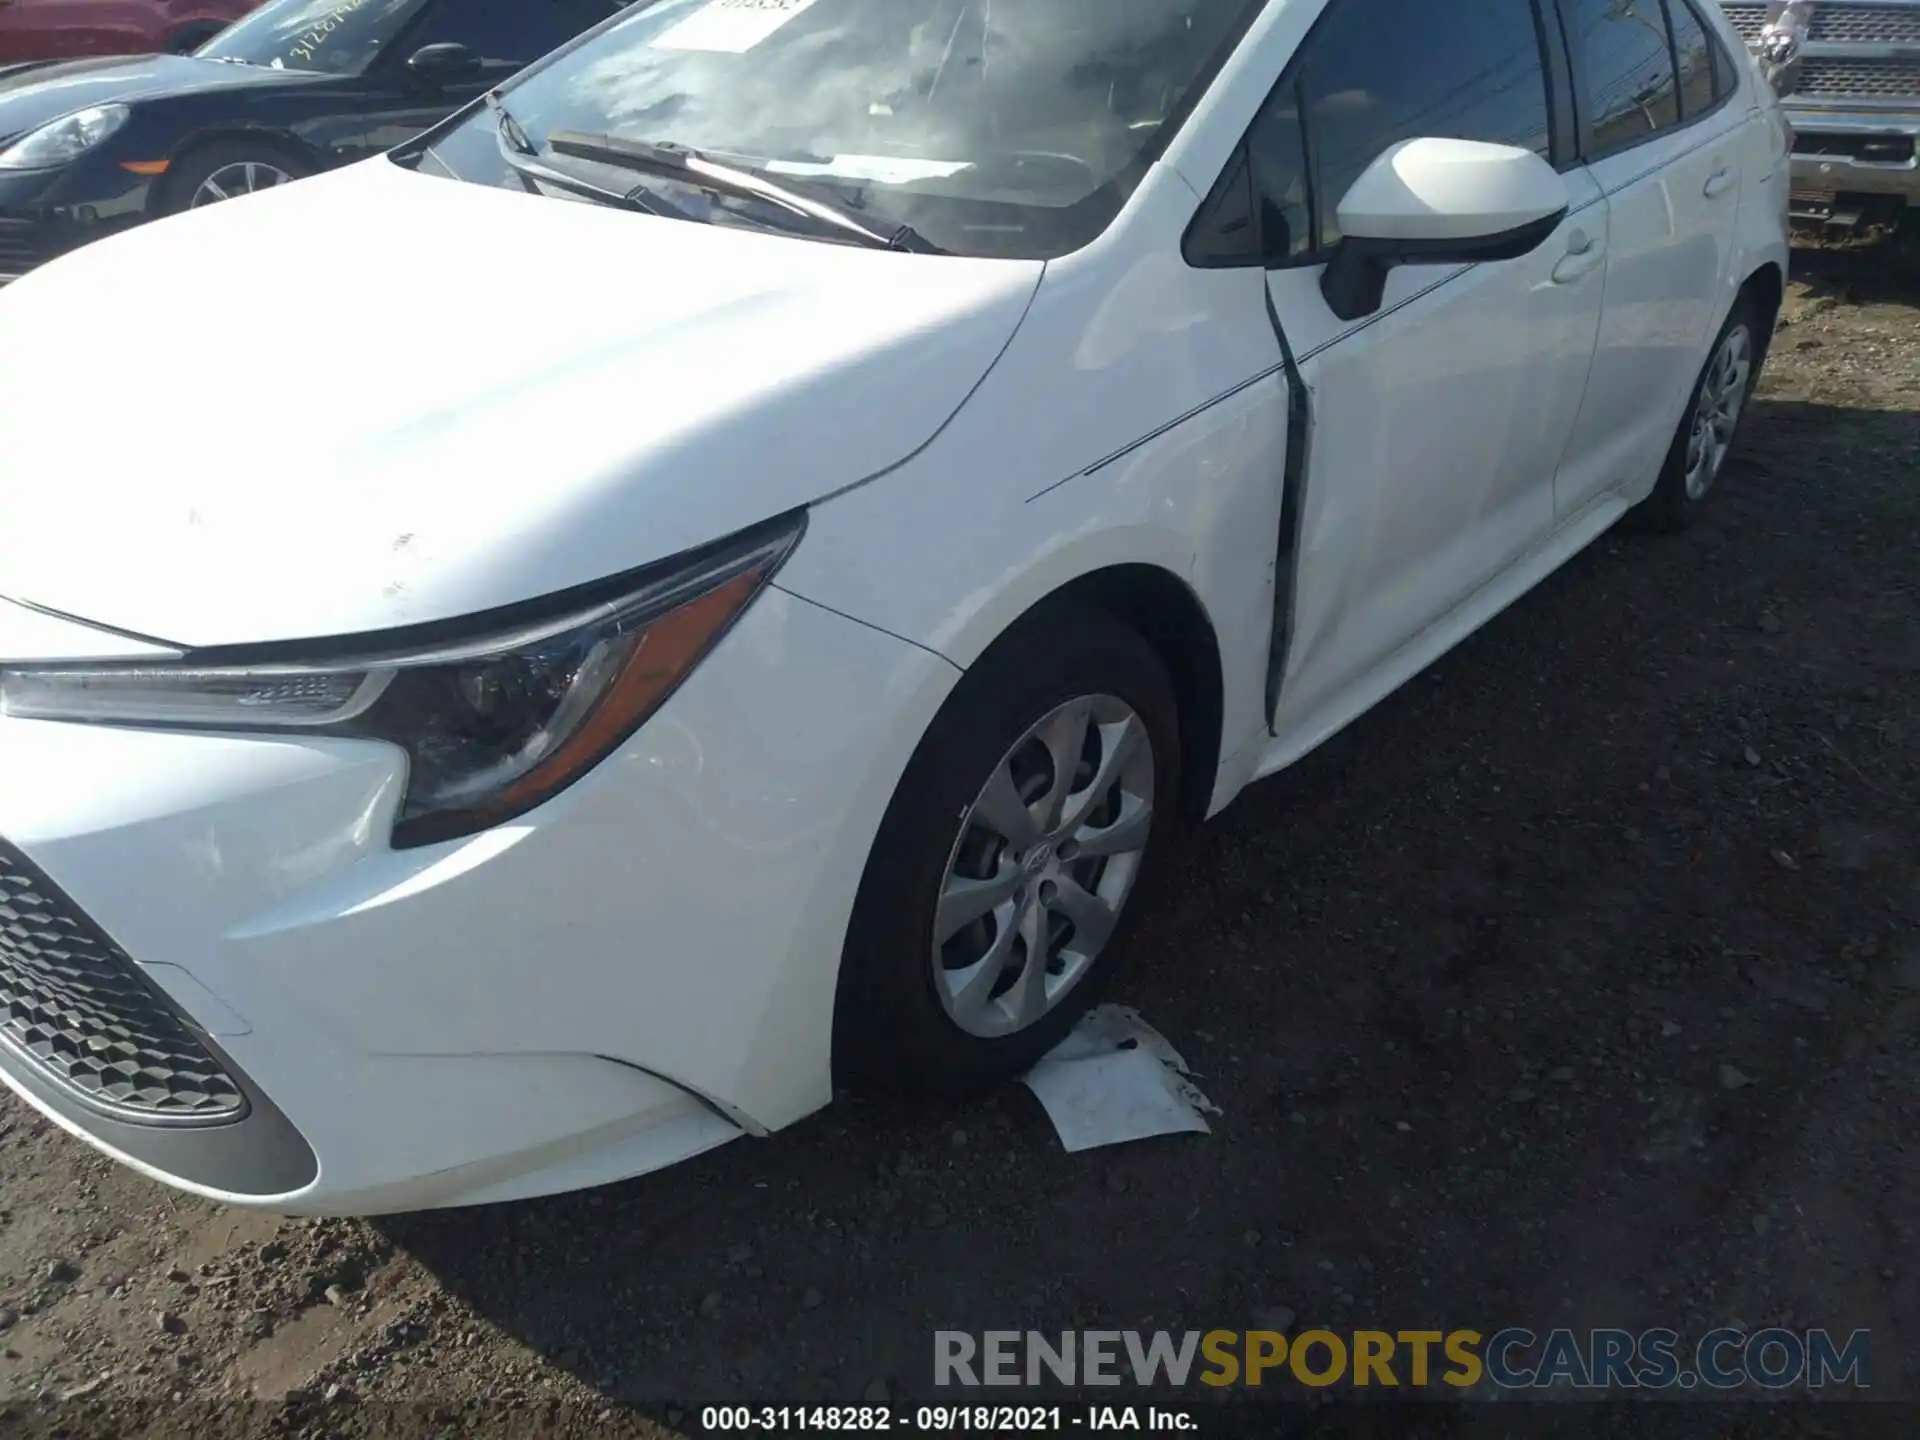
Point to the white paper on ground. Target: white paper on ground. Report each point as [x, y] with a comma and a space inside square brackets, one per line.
[1114, 1079]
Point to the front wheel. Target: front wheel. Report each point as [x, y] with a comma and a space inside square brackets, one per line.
[228, 169]
[1018, 836]
[1711, 421]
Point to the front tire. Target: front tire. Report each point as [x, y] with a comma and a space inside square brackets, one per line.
[1710, 424]
[229, 168]
[1001, 876]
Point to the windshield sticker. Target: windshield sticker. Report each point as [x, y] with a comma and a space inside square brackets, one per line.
[731, 27]
[880, 169]
[309, 41]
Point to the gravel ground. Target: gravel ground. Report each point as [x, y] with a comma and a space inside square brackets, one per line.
[1578, 984]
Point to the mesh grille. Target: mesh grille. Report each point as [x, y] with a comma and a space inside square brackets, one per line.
[1747, 19]
[74, 1004]
[1866, 25]
[1840, 24]
[1877, 78]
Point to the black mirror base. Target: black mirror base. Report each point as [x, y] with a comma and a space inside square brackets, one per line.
[1355, 280]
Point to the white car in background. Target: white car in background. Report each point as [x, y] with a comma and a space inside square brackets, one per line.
[719, 566]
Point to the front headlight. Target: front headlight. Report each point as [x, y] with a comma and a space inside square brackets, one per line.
[492, 726]
[67, 138]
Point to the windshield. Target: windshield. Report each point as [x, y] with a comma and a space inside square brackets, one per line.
[992, 127]
[334, 37]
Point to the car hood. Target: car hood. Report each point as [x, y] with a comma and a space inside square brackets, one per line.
[380, 398]
[33, 94]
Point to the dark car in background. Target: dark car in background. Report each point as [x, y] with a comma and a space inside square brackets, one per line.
[63, 29]
[88, 147]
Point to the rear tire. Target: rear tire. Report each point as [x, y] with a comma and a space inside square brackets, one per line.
[984, 849]
[1710, 424]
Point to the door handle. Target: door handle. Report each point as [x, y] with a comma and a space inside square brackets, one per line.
[1718, 182]
[1583, 257]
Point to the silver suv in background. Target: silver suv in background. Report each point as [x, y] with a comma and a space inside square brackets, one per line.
[1850, 74]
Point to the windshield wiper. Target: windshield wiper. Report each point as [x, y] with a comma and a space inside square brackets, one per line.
[518, 153]
[680, 162]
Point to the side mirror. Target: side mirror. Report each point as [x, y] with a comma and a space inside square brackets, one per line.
[435, 65]
[1439, 202]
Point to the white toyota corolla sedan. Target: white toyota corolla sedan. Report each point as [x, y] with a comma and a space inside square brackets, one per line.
[711, 575]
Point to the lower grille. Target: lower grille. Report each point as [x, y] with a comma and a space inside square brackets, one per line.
[18, 253]
[1876, 149]
[1875, 79]
[77, 1008]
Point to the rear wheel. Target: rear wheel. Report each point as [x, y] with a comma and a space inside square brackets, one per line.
[1712, 420]
[1006, 862]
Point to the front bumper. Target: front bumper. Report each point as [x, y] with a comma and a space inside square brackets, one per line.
[635, 972]
[46, 213]
[1857, 152]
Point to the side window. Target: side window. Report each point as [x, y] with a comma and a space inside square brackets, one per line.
[1376, 72]
[1725, 68]
[1695, 51]
[1277, 150]
[1725, 80]
[1621, 49]
[509, 32]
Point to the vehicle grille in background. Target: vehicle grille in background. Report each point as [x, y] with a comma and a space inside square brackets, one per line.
[1864, 25]
[1839, 24]
[1877, 149]
[1747, 19]
[1875, 79]
[74, 1005]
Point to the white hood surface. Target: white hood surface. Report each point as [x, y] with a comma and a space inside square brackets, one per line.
[379, 398]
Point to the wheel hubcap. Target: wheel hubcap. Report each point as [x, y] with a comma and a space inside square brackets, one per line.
[1716, 415]
[243, 177]
[1045, 859]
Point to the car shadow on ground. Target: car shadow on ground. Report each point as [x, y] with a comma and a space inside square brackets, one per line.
[1879, 268]
[1540, 996]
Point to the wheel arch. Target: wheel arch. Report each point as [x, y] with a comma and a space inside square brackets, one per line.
[1766, 287]
[1164, 610]
[234, 134]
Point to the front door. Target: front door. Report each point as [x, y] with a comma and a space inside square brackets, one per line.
[1438, 423]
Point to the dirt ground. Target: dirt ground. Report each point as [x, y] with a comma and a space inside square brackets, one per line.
[1578, 984]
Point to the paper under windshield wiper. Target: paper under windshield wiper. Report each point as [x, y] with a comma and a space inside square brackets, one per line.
[680, 162]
